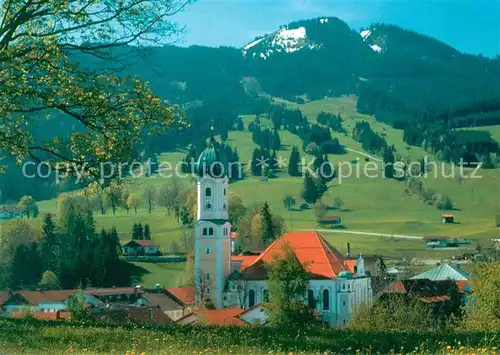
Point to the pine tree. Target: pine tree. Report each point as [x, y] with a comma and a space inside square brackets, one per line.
[388, 162]
[309, 190]
[255, 168]
[268, 230]
[49, 245]
[147, 232]
[134, 232]
[140, 232]
[276, 140]
[293, 166]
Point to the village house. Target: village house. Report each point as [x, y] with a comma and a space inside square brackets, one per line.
[185, 296]
[141, 248]
[41, 301]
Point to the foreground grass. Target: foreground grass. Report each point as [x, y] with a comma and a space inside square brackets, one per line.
[56, 338]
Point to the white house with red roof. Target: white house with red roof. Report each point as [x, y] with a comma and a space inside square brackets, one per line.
[337, 286]
[141, 247]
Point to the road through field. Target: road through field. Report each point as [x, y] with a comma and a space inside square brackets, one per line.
[399, 236]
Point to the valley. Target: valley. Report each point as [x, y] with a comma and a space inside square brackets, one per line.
[370, 205]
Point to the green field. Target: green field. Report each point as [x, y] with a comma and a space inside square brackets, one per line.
[34, 337]
[370, 204]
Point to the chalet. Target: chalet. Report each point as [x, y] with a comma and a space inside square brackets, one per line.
[141, 248]
[448, 218]
[331, 220]
[8, 213]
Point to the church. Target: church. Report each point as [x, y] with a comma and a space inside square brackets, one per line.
[337, 285]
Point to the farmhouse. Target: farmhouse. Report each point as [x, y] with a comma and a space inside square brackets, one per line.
[335, 291]
[141, 248]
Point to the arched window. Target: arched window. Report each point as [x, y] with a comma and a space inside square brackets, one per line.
[210, 231]
[251, 298]
[265, 296]
[207, 251]
[224, 191]
[208, 192]
[311, 301]
[326, 299]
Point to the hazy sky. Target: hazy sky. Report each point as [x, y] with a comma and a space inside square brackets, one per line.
[470, 26]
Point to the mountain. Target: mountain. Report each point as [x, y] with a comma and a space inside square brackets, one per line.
[399, 75]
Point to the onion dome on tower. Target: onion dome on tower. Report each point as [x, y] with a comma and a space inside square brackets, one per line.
[212, 162]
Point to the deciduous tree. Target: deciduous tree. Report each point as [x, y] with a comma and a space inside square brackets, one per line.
[39, 44]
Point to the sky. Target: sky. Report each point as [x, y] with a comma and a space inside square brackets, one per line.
[470, 26]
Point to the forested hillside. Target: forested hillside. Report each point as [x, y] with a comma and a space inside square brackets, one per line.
[408, 80]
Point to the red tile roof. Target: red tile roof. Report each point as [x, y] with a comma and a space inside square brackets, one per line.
[226, 316]
[61, 315]
[447, 215]
[146, 243]
[350, 264]
[463, 285]
[245, 260]
[313, 252]
[185, 294]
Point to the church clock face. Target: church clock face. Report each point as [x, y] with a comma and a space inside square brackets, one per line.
[208, 205]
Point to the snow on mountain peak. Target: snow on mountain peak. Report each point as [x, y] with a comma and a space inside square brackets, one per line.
[250, 45]
[365, 34]
[323, 20]
[290, 40]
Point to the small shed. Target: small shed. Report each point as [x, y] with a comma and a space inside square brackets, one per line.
[448, 218]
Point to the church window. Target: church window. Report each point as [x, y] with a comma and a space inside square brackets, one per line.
[343, 286]
[224, 191]
[225, 231]
[326, 299]
[311, 301]
[205, 231]
[265, 296]
[208, 290]
[251, 298]
[210, 231]
[208, 192]
[208, 276]
[207, 251]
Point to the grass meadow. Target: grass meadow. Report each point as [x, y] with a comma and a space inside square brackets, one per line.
[34, 337]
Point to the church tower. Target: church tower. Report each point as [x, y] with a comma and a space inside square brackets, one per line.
[212, 228]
